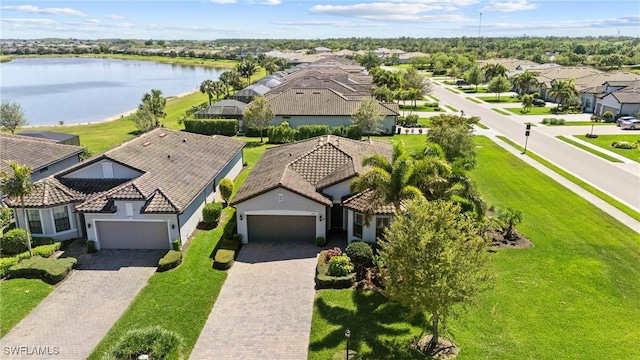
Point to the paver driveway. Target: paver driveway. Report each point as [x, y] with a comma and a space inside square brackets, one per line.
[74, 318]
[265, 306]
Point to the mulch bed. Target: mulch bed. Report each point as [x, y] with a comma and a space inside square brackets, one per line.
[517, 240]
[443, 351]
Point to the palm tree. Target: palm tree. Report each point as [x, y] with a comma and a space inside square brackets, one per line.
[155, 103]
[494, 70]
[247, 69]
[388, 182]
[207, 88]
[525, 81]
[218, 88]
[18, 185]
[562, 90]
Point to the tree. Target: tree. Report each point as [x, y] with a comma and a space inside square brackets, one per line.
[226, 189]
[499, 85]
[411, 79]
[474, 76]
[454, 134]
[525, 81]
[258, 114]
[382, 93]
[247, 68]
[207, 87]
[563, 90]
[527, 102]
[511, 218]
[435, 261]
[18, 185]
[368, 116]
[11, 116]
[494, 70]
[143, 119]
[230, 79]
[369, 60]
[155, 103]
[218, 89]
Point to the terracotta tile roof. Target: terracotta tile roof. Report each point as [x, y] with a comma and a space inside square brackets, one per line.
[306, 167]
[628, 96]
[361, 202]
[175, 167]
[33, 152]
[339, 84]
[318, 102]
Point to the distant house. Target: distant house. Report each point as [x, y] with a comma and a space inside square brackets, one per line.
[322, 49]
[142, 194]
[249, 93]
[406, 57]
[223, 109]
[620, 98]
[60, 138]
[300, 187]
[304, 106]
[43, 156]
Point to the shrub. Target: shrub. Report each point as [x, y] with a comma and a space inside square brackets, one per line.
[332, 252]
[14, 242]
[226, 189]
[230, 228]
[6, 263]
[49, 270]
[411, 119]
[38, 241]
[46, 250]
[91, 247]
[281, 134]
[309, 131]
[340, 266]
[353, 132]
[339, 131]
[624, 145]
[237, 237]
[227, 127]
[6, 214]
[155, 341]
[172, 259]
[254, 132]
[224, 259]
[211, 213]
[321, 241]
[229, 244]
[553, 121]
[608, 116]
[176, 245]
[360, 253]
[325, 281]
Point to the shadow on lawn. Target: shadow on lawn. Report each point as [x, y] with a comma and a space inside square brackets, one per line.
[382, 325]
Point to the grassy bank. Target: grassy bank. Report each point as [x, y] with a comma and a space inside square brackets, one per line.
[19, 297]
[217, 63]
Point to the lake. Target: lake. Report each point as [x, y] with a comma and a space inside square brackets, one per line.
[81, 90]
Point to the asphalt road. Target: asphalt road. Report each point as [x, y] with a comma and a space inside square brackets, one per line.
[621, 181]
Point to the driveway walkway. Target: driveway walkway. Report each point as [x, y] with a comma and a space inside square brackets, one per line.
[70, 322]
[265, 306]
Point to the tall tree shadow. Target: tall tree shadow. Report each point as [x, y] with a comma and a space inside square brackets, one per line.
[384, 326]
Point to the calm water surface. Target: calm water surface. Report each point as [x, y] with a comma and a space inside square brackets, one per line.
[79, 90]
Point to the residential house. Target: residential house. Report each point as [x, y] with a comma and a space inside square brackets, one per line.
[43, 156]
[619, 97]
[60, 138]
[296, 192]
[406, 57]
[223, 109]
[249, 93]
[142, 194]
[304, 106]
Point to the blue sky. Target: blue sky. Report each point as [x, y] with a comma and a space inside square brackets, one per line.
[315, 19]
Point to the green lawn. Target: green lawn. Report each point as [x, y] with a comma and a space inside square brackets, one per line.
[533, 111]
[473, 99]
[503, 99]
[179, 300]
[472, 90]
[500, 111]
[18, 298]
[577, 286]
[426, 122]
[218, 63]
[453, 90]
[588, 149]
[421, 108]
[451, 108]
[604, 141]
[482, 126]
[587, 123]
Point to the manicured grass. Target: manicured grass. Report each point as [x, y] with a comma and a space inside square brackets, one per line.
[482, 126]
[426, 122]
[179, 300]
[422, 108]
[453, 90]
[533, 111]
[588, 149]
[611, 201]
[102, 136]
[473, 99]
[218, 63]
[503, 99]
[451, 108]
[604, 141]
[371, 319]
[588, 123]
[433, 97]
[472, 90]
[19, 297]
[500, 111]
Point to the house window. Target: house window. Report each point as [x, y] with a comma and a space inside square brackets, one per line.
[61, 218]
[357, 224]
[33, 218]
[381, 224]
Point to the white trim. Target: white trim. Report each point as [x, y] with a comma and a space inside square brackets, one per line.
[28, 226]
[95, 227]
[72, 221]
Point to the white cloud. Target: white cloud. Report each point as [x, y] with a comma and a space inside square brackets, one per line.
[38, 10]
[223, 1]
[30, 21]
[92, 22]
[114, 17]
[510, 6]
[564, 25]
[271, 2]
[390, 11]
[124, 25]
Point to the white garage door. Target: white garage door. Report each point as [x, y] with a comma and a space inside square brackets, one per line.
[281, 228]
[132, 235]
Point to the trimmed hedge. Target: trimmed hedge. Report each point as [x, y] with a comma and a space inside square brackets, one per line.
[14, 242]
[324, 281]
[46, 250]
[49, 270]
[172, 259]
[340, 265]
[351, 132]
[6, 263]
[212, 126]
[42, 250]
[39, 241]
[360, 253]
[229, 244]
[211, 213]
[224, 259]
[308, 131]
[281, 134]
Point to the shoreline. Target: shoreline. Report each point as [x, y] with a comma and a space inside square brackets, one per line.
[111, 118]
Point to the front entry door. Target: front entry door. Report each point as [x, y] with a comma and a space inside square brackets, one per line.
[336, 216]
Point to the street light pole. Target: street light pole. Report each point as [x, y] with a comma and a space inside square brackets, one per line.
[347, 334]
[526, 139]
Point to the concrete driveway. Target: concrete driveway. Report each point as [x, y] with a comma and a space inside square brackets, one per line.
[74, 318]
[265, 306]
